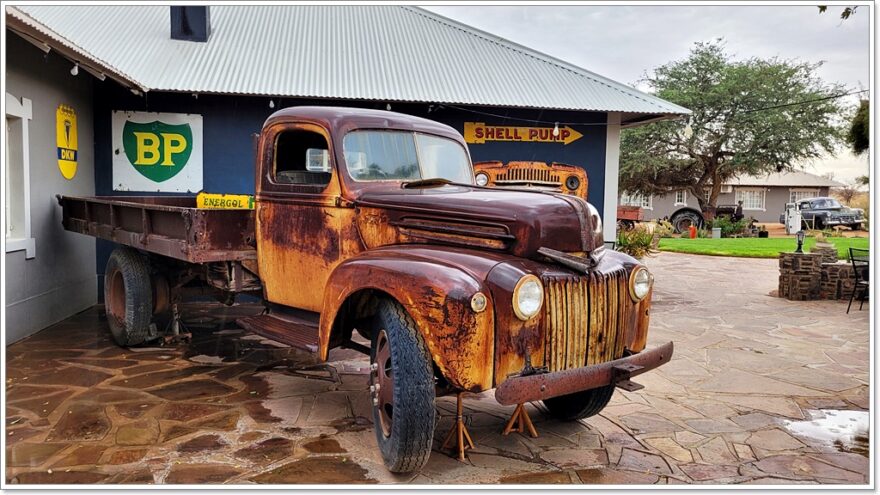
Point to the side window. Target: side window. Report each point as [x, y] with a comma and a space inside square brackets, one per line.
[301, 157]
[805, 205]
[16, 196]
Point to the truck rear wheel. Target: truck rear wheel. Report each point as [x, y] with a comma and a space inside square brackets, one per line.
[579, 405]
[128, 297]
[402, 390]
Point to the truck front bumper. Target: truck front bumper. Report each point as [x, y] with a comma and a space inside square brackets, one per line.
[520, 389]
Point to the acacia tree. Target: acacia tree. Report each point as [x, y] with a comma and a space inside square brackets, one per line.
[750, 117]
[859, 134]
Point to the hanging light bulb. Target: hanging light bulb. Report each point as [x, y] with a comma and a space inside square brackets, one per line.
[388, 107]
[688, 131]
[556, 129]
[75, 70]
[271, 103]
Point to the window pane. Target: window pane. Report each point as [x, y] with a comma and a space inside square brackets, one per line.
[752, 199]
[803, 194]
[443, 158]
[381, 155]
[301, 157]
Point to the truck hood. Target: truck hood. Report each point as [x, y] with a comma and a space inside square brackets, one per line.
[519, 222]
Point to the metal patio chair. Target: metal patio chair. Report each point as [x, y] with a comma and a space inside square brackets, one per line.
[860, 262]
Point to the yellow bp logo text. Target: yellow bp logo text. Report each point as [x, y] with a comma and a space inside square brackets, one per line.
[66, 140]
[157, 150]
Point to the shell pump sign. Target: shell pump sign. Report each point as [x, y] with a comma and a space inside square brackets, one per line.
[157, 152]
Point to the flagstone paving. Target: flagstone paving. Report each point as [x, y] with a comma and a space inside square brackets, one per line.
[231, 407]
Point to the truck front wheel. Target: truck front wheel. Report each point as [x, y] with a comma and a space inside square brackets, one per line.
[579, 405]
[128, 297]
[402, 390]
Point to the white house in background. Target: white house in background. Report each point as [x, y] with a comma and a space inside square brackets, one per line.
[763, 197]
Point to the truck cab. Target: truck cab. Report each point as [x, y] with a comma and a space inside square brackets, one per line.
[370, 223]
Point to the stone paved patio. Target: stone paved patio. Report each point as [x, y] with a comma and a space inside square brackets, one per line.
[234, 408]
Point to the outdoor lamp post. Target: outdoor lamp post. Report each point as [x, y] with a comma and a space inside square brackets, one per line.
[800, 240]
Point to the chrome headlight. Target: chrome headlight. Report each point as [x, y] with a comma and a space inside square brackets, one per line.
[528, 297]
[640, 281]
[482, 179]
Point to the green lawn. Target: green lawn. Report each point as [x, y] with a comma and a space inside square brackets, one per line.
[754, 247]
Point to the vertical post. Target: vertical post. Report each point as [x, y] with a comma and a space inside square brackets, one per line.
[612, 173]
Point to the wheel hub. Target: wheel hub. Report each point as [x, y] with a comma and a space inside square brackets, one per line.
[382, 388]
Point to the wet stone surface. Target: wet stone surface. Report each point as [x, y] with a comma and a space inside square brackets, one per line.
[761, 390]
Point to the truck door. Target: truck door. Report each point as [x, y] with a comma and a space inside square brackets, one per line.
[302, 232]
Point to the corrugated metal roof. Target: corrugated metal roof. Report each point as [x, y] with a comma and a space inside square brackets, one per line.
[390, 52]
[786, 179]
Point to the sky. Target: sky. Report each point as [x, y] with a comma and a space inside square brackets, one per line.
[625, 42]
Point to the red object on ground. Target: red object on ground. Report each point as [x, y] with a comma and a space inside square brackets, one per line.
[693, 232]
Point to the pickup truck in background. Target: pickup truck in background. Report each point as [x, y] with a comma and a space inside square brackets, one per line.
[370, 222]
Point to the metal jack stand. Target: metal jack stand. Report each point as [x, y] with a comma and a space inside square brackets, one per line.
[520, 416]
[175, 327]
[459, 431]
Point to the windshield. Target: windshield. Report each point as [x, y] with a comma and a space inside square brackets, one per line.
[404, 156]
[825, 203]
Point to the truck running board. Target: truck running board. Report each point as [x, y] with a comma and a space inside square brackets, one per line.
[298, 334]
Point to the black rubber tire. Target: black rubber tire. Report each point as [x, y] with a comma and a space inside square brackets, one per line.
[579, 405]
[134, 299]
[683, 219]
[408, 446]
[856, 226]
[818, 223]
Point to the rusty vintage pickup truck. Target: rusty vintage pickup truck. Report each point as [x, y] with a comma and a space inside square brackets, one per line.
[369, 222]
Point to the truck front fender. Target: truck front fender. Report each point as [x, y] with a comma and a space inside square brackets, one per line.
[437, 294]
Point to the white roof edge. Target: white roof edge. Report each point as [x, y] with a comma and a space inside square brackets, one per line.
[676, 109]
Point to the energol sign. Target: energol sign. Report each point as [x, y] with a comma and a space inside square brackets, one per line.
[157, 152]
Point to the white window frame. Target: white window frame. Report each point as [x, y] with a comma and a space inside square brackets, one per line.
[684, 197]
[23, 110]
[761, 190]
[640, 200]
[726, 189]
[792, 190]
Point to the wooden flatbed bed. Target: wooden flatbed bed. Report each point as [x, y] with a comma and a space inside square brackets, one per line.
[167, 225]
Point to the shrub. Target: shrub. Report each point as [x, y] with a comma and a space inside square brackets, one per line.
[727, 227]
[637, 242]
[664, 229]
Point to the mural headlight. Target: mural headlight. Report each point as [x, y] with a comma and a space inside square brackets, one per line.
[640, 281]
[528, 297]
[572, 183]
[482, 179]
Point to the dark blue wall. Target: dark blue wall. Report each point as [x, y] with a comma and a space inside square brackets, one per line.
[231, 121]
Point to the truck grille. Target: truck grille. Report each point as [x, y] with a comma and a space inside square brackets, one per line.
[527, 175]
[584, 319]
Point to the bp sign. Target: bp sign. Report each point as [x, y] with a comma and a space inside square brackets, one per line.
[157, 152]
